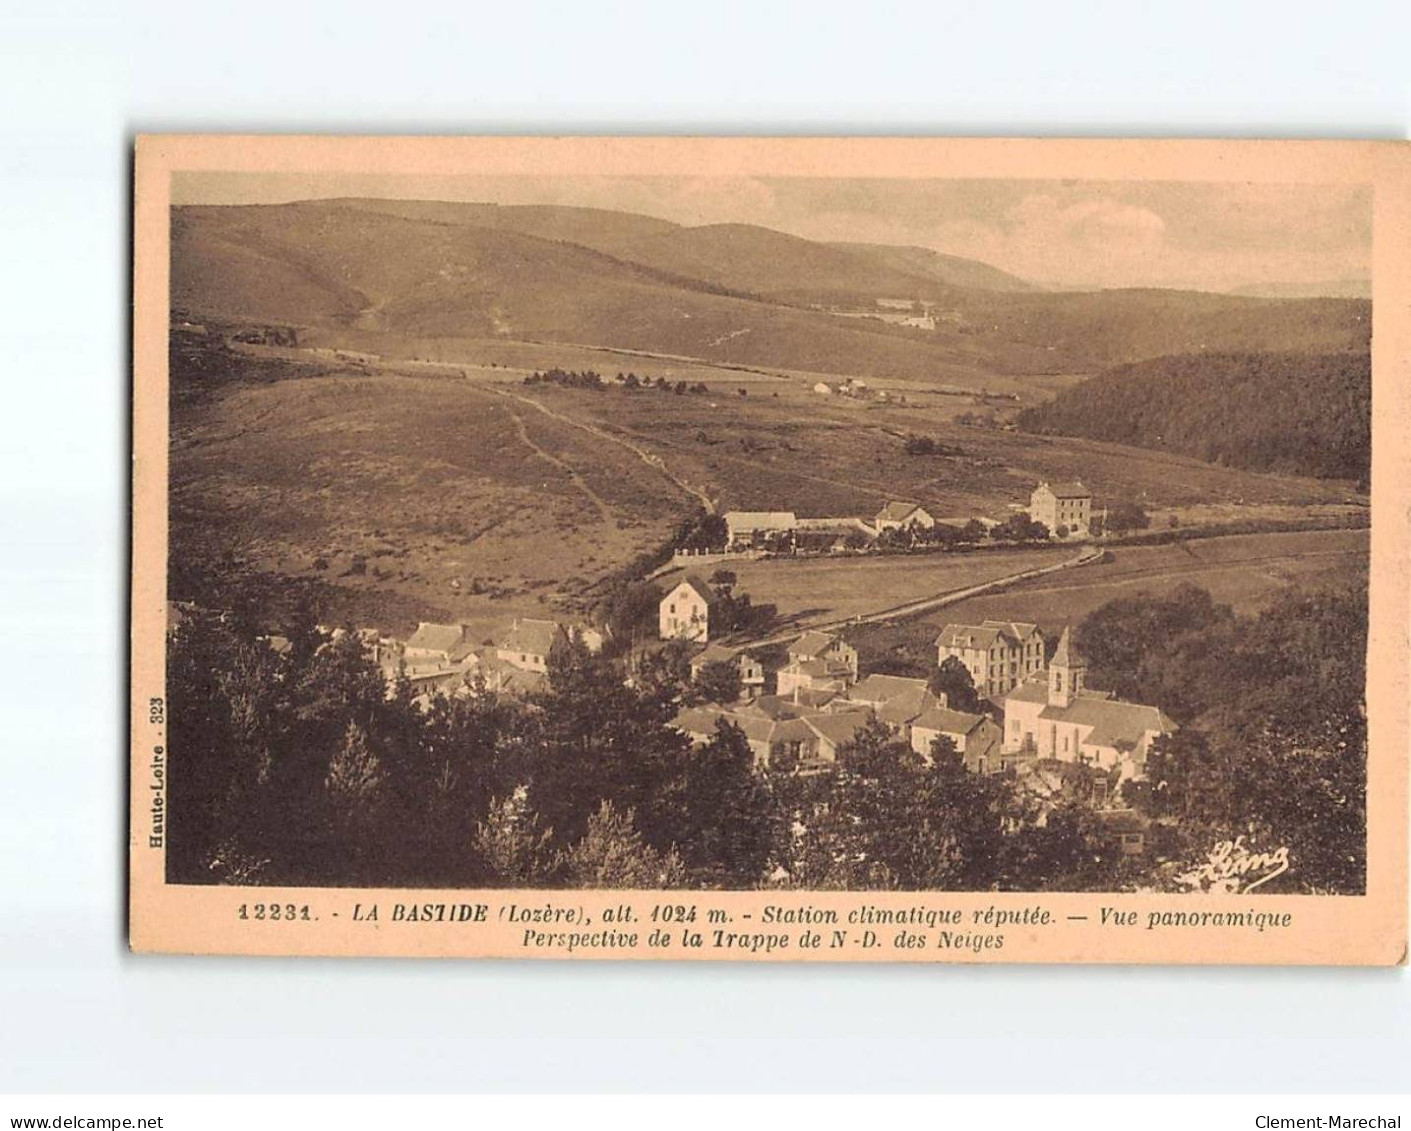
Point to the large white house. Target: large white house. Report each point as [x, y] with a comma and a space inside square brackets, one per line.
[999, 655]
[1059, 717]
[1065, 508]
[685, 611]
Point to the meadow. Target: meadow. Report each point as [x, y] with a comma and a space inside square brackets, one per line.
[1244, 571]
[462, 503]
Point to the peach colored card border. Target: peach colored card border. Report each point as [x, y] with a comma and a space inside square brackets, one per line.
[1369, 929]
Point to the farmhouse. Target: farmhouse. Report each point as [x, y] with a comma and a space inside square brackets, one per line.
[999, 655]
[753, 528]
[786, 741]
[437, 645]
[977, 738]
[895, 700]
[1065, 508]
[1059, 717]
[897, 516]
[529, 642]
[489, 671]
[833, 731]
[818, 662]
[685, 612]
[750, 669]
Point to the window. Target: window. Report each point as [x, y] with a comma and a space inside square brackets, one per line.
[672, 610]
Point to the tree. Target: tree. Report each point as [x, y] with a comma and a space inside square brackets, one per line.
[890, 819]
[1124, 517]
[721, 812]
[724, 579]
[513, 845]
[612, 854]
[953, 682]
[718, 682]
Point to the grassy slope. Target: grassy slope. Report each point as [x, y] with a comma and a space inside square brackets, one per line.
[1300, 413]
[1246, 571]
[409, 271]
[426, 479]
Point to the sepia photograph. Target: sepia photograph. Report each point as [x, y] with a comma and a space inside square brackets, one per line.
[768, 533]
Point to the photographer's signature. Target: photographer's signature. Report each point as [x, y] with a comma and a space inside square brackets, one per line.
[1232, 863]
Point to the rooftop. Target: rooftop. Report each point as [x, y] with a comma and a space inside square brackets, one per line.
[1072, 489]
[946, 721]
[533, 637]
[812, 644]
[440, 637]
[897, 511]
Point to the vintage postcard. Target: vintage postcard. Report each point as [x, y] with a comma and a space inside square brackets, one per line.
[771, 549]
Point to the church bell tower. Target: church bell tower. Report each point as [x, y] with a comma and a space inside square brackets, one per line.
[1065, 673]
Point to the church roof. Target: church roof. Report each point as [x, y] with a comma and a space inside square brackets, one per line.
[1114, 723]
[1067, 656]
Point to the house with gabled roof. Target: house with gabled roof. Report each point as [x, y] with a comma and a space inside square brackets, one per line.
[999, 655]
[977, 738]
[437, 645]
[835, 730]
[899, 515]
[685, 611]
[750, 669]
[786, 741]
[528, 643]
[1059, 717]
[818, 662]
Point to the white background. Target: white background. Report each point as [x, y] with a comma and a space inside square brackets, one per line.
[77, 81]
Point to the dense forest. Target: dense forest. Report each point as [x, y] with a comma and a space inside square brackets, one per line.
[1294, 413]
[303, 768]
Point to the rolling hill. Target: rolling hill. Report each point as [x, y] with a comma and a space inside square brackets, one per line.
[729, 293]
[1305, 414]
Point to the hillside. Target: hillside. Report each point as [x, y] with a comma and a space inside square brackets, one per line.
[937, 267]
[730, 293]
[1306, 414]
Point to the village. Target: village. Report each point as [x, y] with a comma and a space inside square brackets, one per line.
[998, 695]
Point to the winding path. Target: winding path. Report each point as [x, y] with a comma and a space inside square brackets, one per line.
[604, 511]
[651, 459]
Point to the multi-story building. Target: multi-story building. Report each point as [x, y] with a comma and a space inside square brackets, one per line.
[999, 655]
[1065, 508]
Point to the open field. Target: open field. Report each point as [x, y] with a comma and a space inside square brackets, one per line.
[396, 489]
[1244, 571]
[459, 501]
[822, 456]
[812, 590]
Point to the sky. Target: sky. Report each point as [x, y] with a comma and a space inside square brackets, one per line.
[1198, 235]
